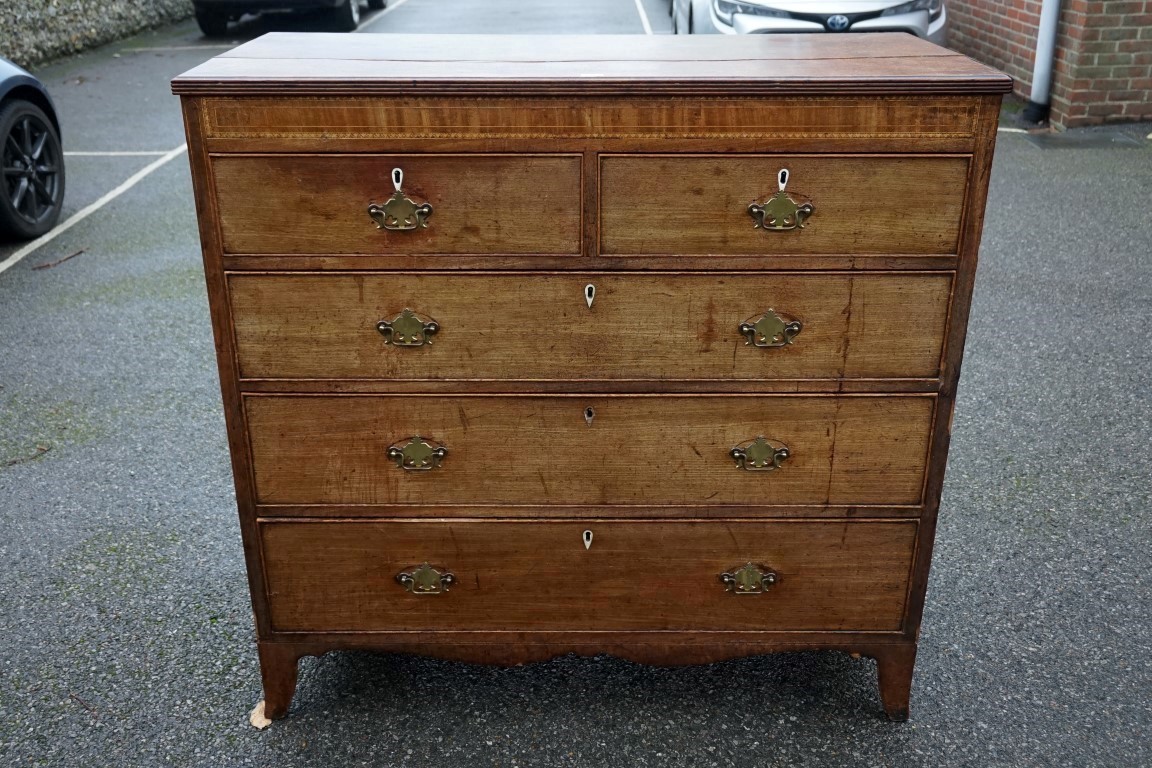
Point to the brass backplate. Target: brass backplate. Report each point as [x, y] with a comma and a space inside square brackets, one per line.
[770, 330]
[760, 455]
[417, 454]
[782, 211]
[425, 580]
[400, 213]
[407, 329]
[749, 579]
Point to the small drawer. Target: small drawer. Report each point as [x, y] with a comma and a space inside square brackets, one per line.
[608, 327]
[477, 204]
[509, 576]
[589, 449]
[670, 204]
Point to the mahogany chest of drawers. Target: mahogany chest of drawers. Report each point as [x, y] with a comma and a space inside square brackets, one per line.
[532, 346]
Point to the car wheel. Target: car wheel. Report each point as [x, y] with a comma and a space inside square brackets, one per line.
[681, 18]
[699, 18]
[33, 168]
[377, 5]
[346, 17]
[213, 23]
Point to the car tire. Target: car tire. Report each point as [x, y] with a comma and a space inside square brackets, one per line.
[213, 23]
[700, 18]
[681, 17]
[33, 171]
[346, 17]
[377, 5]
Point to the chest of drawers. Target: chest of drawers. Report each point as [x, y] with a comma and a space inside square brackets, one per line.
[533, 346]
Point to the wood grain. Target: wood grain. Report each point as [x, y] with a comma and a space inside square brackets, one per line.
[568, 511]
[232, 405]
[516, 576]
[646, 450]
[325, 120]
[669, 648]
[699, 204]
[479, 262]
[977, 192]
[894, 666]
[278, 665]
[539, 326]
[628, 163]
[851, 64]
[319, 203]
[589, 386]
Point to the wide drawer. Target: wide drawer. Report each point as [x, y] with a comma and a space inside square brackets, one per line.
[539, 326]
[828, 576]
[589, 449]
[669, 204]
[319, 204]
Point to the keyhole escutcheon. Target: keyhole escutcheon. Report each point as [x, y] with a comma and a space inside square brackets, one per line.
[589, 414]
[587, 539]
[589, 294]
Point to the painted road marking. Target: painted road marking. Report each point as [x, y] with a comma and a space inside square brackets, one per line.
[643, 17]
[146, 153]
[87, 211]
[391, 7]
[162, 48]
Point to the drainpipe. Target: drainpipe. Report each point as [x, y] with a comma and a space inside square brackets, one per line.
[1038, 103]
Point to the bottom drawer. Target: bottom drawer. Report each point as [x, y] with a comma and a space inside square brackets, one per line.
[342, 576]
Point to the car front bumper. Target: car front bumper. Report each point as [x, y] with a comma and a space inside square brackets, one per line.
[915, 23]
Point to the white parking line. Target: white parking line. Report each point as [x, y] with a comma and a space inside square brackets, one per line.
[87, 211]
[643, 17]
[150, 153]
[391, 7]
[162, 48]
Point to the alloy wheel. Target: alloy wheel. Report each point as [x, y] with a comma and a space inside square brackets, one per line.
[32, 170]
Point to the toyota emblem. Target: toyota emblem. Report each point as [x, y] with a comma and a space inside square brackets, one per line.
[838, 23]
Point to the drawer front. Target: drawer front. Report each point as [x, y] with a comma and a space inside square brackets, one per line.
[861, 204]
[639, 326]
[319, 204]
[342, 576]
[589, 450]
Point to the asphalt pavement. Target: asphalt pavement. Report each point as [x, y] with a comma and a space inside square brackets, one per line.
[124, 614]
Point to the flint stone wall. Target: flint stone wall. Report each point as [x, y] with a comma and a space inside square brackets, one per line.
[35, 31]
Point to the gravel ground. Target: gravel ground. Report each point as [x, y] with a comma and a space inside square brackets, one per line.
[124, 606]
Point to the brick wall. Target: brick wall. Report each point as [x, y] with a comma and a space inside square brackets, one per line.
[1103, 67]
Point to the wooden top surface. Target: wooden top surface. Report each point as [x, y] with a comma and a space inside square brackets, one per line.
[341, 64]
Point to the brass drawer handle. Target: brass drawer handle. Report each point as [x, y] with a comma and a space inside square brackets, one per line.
[400, 213]
[782, 211]
[407, 329]
[417, 454]
[749, 579]
[771, 330]
[425, 580]
[760, 455]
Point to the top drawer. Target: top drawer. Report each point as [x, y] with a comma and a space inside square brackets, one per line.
[860, 204]
[319, 204]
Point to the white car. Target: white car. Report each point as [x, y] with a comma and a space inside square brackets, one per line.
[923, 18]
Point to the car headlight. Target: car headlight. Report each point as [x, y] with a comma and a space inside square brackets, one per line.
[934, 7]
[725, 9]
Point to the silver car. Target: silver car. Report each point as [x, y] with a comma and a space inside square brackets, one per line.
[923, 18]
